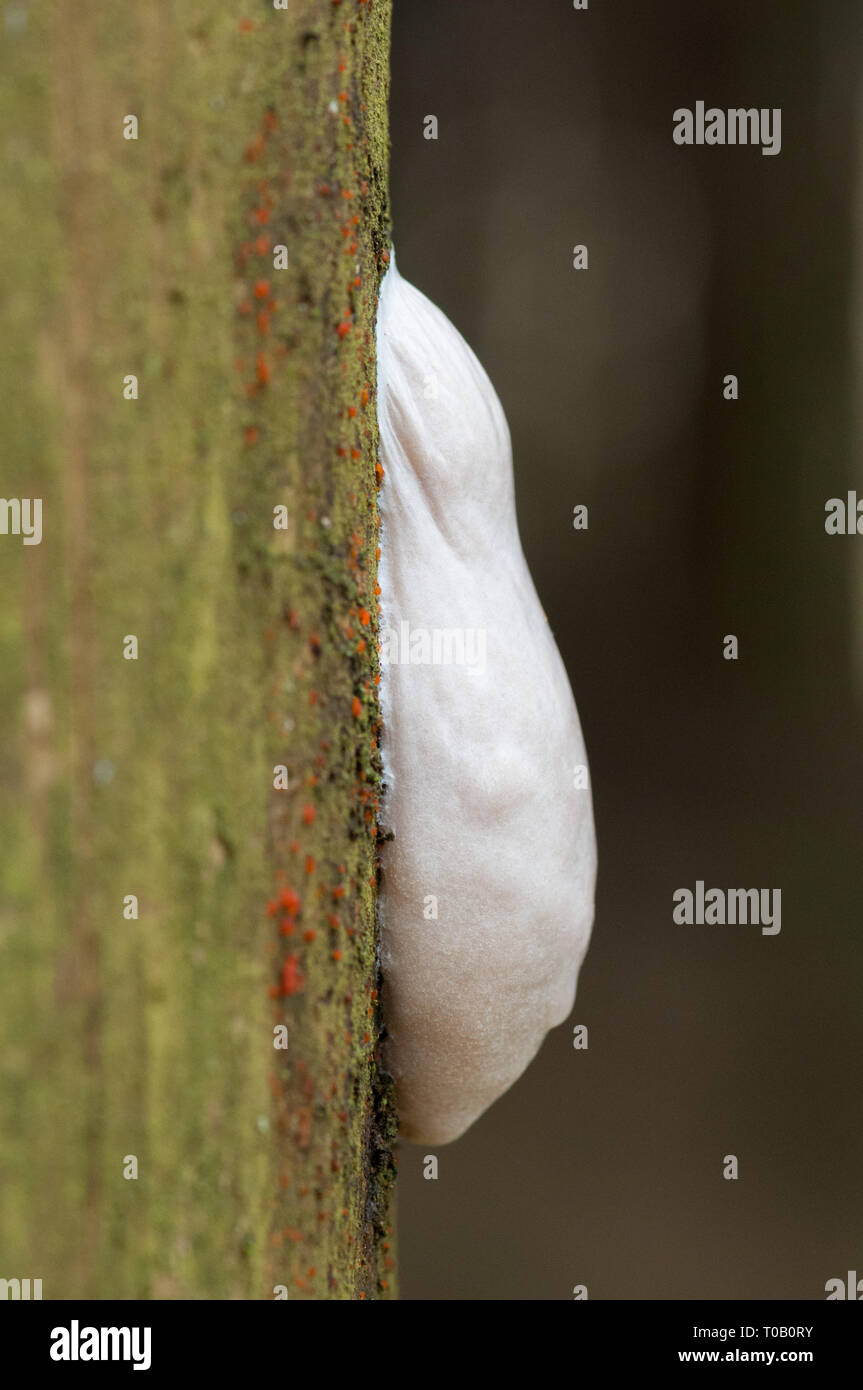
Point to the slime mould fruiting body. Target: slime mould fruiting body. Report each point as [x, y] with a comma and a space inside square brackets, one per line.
[488, 877]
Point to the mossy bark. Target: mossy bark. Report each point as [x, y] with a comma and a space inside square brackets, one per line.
[153, 1038]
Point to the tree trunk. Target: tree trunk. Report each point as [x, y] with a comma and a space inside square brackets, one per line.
[150, 783]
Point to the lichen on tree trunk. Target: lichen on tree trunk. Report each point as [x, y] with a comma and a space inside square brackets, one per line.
[151, 1038]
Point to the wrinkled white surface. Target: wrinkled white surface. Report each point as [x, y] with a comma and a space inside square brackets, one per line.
[479, 765]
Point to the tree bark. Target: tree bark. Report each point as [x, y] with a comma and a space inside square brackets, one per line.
[261, 1172]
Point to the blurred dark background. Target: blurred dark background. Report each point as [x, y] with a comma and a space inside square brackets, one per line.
[604, 1167]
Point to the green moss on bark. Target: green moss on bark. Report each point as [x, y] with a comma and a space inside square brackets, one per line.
[154, 1037]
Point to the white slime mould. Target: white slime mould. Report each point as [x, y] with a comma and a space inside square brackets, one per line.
[488, 880]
